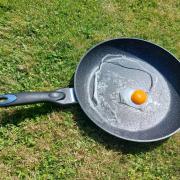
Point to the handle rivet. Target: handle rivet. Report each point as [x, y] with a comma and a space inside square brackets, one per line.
[59, 95]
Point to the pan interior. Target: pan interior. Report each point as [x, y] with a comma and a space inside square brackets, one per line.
[112, 66]
[116, 75]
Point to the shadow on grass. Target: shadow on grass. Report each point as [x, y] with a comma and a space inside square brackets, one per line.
[86, 126]
[19, 115]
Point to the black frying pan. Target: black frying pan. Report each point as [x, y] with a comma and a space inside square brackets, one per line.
[161, 123]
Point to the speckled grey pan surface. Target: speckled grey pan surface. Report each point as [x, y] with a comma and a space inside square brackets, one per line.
[105, 61]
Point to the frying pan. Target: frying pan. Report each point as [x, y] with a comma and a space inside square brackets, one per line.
[153, 55]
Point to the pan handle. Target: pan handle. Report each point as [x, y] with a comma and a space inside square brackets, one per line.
[61, 96]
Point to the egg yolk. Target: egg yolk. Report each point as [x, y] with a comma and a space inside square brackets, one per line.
[139, 97]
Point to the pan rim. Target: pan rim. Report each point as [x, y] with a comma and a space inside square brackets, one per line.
[94, 121]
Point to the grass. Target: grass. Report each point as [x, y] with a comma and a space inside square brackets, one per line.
[41, 43]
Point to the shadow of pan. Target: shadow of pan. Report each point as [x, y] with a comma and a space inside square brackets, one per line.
[86, 127]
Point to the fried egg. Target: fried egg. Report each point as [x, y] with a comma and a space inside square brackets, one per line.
[136, 98]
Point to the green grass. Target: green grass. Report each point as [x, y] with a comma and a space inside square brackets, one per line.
[41, 43]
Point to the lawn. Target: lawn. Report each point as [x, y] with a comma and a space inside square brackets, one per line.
[41, 43]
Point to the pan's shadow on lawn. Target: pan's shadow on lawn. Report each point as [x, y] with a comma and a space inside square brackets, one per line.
[86, 126]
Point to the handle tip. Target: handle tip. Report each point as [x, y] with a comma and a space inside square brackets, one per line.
[6, 99]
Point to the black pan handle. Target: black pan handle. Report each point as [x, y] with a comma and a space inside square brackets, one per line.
[61, 96]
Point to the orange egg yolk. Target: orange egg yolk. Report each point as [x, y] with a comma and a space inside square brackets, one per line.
[139, 97]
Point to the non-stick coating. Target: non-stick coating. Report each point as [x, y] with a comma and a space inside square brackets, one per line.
[156, 56]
